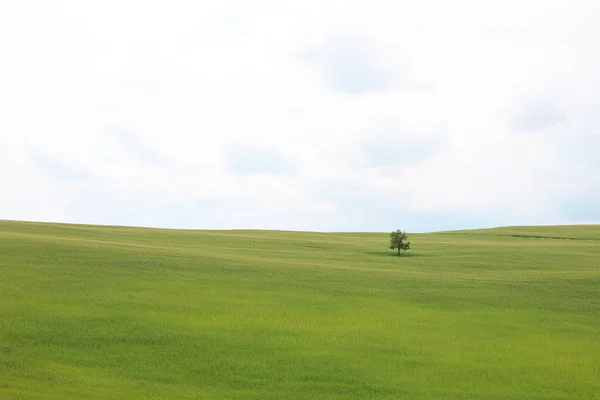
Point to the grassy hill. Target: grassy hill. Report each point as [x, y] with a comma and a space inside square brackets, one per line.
[89, 312]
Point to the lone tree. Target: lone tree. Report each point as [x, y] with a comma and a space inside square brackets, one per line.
[399, 240]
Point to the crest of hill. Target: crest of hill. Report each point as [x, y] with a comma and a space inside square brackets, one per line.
[567, 232]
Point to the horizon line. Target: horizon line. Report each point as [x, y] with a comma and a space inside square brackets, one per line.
[284, 230]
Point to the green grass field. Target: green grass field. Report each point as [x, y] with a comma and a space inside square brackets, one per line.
[91, 312]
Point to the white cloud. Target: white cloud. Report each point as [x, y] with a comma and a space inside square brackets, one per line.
[149, 113]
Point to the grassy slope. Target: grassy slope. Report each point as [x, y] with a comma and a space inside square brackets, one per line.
[121, 313]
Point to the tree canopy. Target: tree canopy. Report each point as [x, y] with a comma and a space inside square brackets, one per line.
[399, 240]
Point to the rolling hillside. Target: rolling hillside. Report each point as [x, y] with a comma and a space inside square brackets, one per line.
[91, 312]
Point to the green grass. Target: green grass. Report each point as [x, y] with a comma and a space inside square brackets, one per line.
[92, 312]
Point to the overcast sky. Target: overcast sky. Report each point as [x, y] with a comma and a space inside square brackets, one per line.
[302, 115]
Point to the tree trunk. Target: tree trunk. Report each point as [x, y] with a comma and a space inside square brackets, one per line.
[398, 250]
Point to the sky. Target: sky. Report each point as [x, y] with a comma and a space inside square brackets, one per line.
[325, 115]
